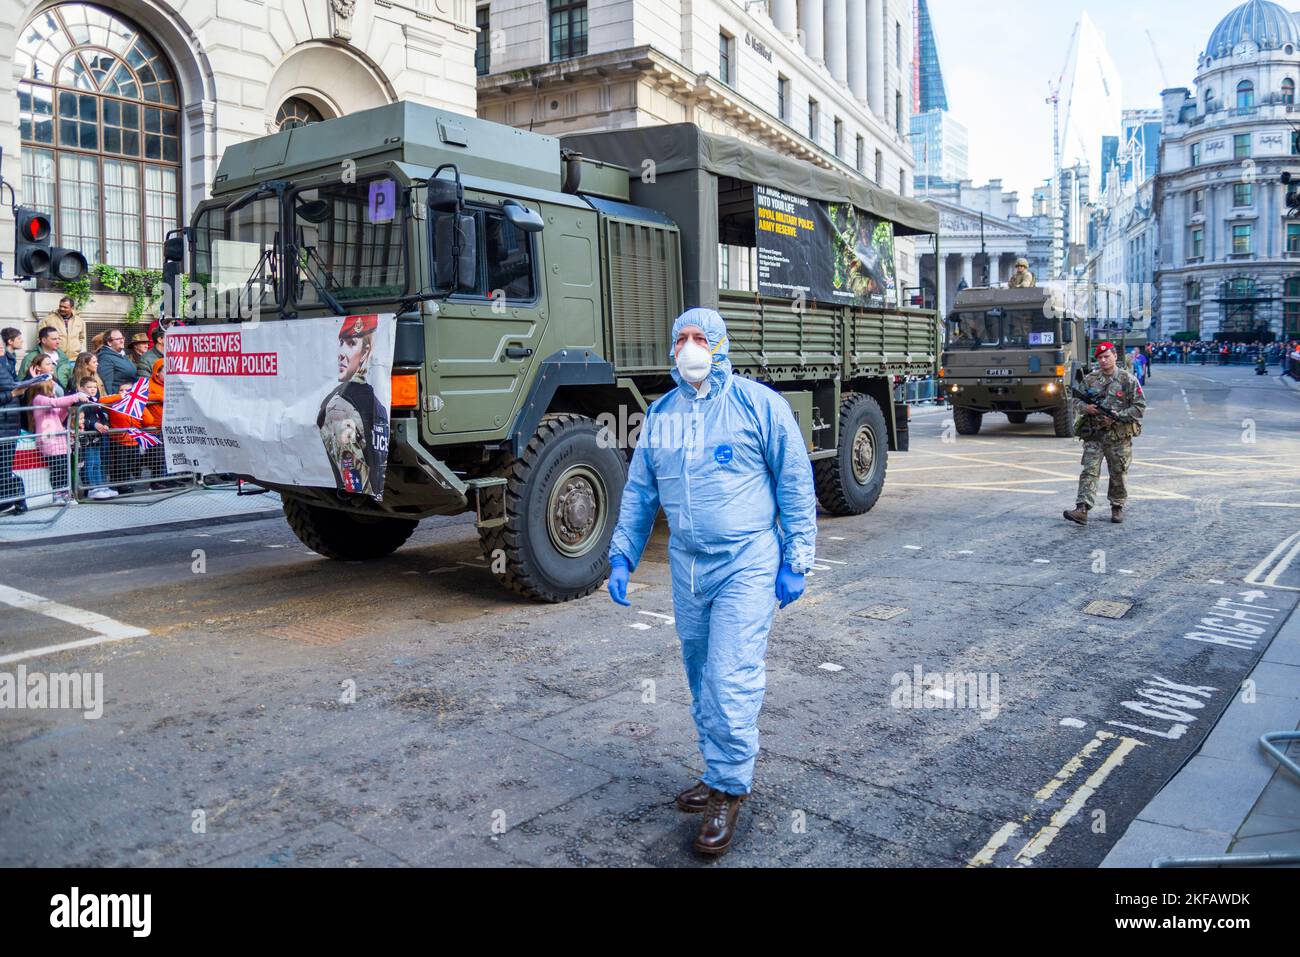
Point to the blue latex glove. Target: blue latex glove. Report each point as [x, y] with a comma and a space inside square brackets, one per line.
[789, 585]
[619, 573]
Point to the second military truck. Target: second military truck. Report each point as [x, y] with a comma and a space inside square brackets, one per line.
[1012, 351]
[534, 284]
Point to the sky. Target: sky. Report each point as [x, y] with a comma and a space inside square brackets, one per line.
[999, 58]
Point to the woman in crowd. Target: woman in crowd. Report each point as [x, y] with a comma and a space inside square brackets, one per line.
[50, 423]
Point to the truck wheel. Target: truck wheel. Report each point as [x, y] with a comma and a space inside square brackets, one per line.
[344, 535]
[1017, 418]
[561, 505]
[1063, 422]
[967, 420]
[850, 482]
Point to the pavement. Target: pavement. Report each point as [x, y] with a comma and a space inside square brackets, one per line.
[1232, 797]
[133, 514]
[969, 681]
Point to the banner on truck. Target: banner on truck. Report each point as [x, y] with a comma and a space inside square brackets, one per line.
[828, 252]
[294, 402]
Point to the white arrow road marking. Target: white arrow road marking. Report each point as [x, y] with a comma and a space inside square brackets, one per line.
[105, 628]
[1283, 562]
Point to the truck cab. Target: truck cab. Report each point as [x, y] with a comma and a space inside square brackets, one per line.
[1012, 351]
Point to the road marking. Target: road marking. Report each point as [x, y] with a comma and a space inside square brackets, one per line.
[1216, 581]
[106, 629]
[655, 614]
[830, 666]
[1043, 839]
[913, 548]
[638, 625]
[821, 568]
[832, 561]
[1126, 571]
[837, 538]
[1072, 723]
[1042, 561]
[979, 488]
[1282, 563]
[1071, 766]
[1003, 834]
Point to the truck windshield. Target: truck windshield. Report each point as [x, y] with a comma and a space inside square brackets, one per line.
[235, 262]
[1029, 328]
[972, 329]
[351, 242]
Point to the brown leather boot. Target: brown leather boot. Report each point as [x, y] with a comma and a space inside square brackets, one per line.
[694, 799]
[1117, 514]
[1078, 514]
[719, 825]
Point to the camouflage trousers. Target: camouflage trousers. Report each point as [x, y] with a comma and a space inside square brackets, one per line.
[1118, 456]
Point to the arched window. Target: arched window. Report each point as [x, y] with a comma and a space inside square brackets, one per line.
[295, 112]
[1209, 100]
[1245, 95]
[100, 126]
[1288, 90]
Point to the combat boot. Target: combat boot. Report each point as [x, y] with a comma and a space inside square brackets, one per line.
[718, 829]
[1117, 514]
[694, 799]
[1078, 514]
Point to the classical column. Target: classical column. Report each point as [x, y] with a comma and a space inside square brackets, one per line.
[876, 57]
[836, 41]
[810, 23]
[856, 28]
[785, 14]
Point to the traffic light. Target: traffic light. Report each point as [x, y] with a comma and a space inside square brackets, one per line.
[67, 264]
[31, 242]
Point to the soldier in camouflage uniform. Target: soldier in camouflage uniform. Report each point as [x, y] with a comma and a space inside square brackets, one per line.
[1022, 278]
[1104, 437]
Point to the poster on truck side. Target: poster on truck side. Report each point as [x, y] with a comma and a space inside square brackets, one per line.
[294, 402]
[828, 252]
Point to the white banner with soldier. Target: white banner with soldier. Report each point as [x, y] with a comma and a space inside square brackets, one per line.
[294, 402]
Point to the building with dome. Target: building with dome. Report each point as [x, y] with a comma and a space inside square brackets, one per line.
[1229, 254]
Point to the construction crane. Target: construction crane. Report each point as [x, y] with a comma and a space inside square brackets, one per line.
[1164, 77]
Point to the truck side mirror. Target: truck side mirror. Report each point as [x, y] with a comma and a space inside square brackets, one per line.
[521, 217]
[456, 269]
[445, 195]
[1067, 331]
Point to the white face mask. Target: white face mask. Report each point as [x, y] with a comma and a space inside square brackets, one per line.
[694, 362]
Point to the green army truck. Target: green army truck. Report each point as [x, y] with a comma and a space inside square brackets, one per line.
[1012, 351]
[534, 284]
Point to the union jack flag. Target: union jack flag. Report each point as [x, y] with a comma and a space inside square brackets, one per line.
[133, 399]
[143, 440]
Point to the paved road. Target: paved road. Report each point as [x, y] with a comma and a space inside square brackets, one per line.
[487, 730]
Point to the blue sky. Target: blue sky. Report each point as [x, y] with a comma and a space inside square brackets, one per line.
[998, 59]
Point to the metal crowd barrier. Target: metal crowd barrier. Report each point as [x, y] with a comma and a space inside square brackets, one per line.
[99, 466]
[917, 390]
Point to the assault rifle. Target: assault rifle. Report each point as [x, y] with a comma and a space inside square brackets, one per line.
[1101, 401]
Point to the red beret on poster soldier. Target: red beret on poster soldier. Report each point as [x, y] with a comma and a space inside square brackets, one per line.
[354, 326]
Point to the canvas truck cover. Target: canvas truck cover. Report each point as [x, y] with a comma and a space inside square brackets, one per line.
[676, 170]
[684, 146]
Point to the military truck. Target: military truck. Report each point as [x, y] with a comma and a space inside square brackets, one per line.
[534, 285]
[1012, 351]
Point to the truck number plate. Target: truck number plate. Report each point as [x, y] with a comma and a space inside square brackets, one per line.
[997, 372]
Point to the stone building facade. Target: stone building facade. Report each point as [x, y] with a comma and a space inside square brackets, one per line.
[1229, 255]
[826, 81]
[113, 116]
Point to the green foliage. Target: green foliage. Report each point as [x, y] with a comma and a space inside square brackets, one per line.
[144, 286]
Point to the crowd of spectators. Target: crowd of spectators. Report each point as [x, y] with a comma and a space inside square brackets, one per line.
[1200, 352]
[59, 398]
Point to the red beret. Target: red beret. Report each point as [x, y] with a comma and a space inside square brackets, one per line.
[1102, 347]
[354, 326]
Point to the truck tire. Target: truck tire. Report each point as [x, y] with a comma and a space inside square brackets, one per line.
[1063, 422]
[967, 420]
[342, 535]
[561, 502]
[1017, 418]
[850, 482]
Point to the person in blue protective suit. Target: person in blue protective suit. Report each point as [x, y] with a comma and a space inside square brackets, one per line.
[724, 457]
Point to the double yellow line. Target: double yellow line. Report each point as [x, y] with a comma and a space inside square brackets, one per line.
[1041, 840]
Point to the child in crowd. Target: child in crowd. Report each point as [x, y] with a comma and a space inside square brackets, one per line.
[94, 422]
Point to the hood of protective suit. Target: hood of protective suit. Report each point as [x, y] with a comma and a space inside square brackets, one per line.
[715, 330]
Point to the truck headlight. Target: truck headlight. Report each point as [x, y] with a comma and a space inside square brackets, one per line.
[1050, 388]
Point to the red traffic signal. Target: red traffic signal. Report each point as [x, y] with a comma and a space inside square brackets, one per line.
[31, 242]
